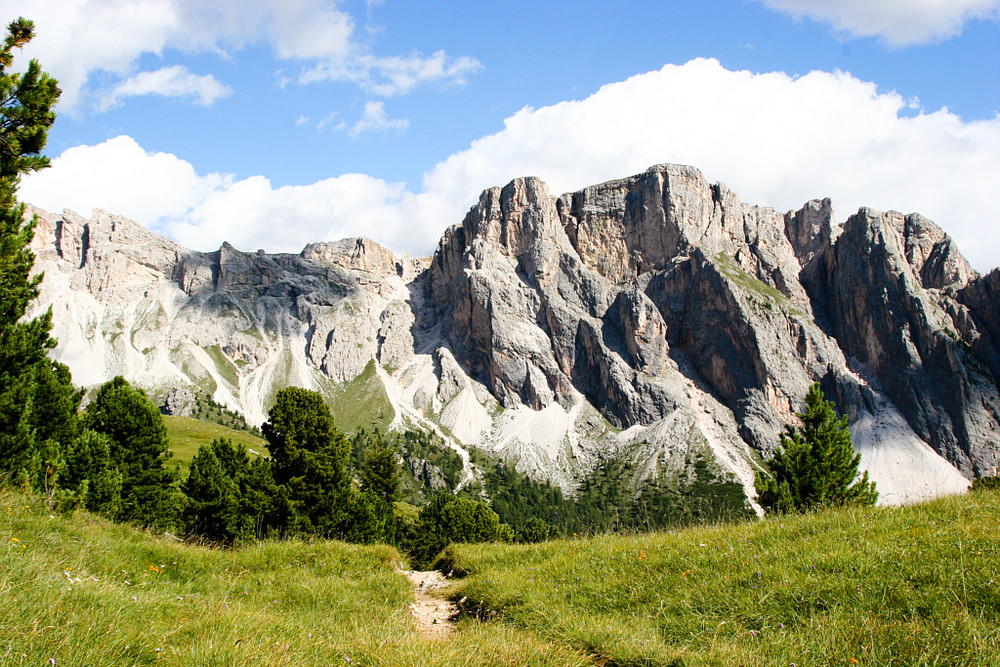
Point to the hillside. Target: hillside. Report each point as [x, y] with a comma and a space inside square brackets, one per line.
[654, 320]
[881, 586]
[82, 591]
[187, 434]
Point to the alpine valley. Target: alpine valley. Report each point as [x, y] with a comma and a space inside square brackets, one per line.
[654, 320]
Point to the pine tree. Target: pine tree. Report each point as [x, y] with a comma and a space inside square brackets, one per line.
[90, 474]
[380, 470]
[309, 462]
[26, 102]
[817, 465]
[140, 451]
[229, 494]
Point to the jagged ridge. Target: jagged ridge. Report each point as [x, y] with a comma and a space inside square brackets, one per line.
[650, 318]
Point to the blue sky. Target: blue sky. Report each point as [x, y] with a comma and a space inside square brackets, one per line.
[278, 122]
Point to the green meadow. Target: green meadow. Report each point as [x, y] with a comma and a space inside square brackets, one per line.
[187, 434]
[886, 586]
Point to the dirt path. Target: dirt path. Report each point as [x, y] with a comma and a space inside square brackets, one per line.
[432, 612]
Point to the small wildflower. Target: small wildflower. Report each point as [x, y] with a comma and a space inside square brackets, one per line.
[135, 599]
[854, 661]
[153, 568]
[642, 554]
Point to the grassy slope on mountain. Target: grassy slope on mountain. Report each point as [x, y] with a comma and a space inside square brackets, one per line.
[187, 434]
[78, 590]
[916, 585]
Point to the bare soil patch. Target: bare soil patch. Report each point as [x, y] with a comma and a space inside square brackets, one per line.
[433, 613]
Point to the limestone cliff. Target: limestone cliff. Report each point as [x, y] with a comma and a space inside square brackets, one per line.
[651, 318]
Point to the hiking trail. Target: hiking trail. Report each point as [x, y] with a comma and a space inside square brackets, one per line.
[432, 612]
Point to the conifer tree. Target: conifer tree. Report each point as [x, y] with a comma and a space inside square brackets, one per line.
[817, 465]
[380, 470]
[229, 494]
[91, 476]
[309, 462]
[28, 378]
[140, 451]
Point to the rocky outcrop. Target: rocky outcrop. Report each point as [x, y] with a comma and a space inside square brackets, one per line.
[651, 318]
[179, 402]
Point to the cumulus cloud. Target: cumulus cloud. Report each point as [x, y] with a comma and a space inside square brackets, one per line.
[174, 81]
[82, 41]
[119, 176]
[165, 193]
[774, 139]
[898, 22]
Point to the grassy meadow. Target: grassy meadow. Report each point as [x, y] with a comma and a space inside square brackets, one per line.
[79, 590]
[888, 586]
[911, 586]
[187, 434]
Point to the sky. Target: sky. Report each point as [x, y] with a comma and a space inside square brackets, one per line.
[275, 123]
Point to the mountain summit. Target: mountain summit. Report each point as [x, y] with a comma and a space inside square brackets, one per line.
[654, 319]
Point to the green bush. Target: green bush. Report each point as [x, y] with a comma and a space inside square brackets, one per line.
[448, 519]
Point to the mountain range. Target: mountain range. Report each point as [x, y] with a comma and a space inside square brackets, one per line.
[655, 320]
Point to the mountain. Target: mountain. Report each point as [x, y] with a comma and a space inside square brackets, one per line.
[655, 320]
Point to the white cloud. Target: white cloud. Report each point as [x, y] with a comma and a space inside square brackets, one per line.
[331, 121]
[174, 81]
[899, 22]
[119, 176]
[81, 41]
[773, 139]
[396, 75]
[164, 193]
[374, 119]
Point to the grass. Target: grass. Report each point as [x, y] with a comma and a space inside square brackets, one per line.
[361, 403]
[226, 368]
[78, 590]
[911, 586]
[188, 434]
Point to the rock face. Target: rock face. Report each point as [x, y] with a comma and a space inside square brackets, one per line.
[179, 402]
[651, 318]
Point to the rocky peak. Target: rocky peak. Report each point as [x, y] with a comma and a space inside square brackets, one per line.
[654, 318]
[811, 230]
[513, 218]
[934, 254]
[355, 254]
